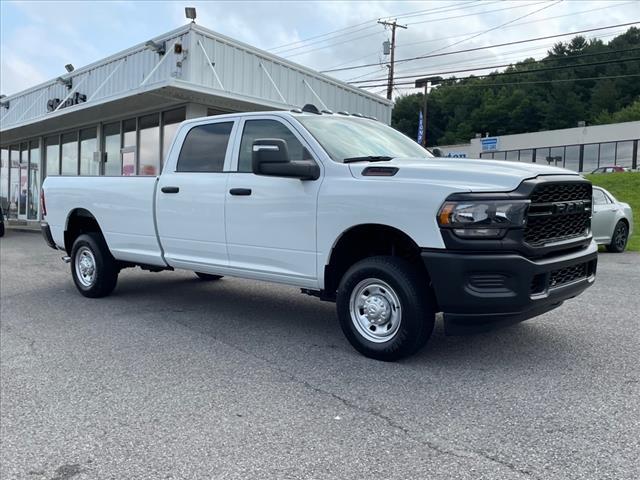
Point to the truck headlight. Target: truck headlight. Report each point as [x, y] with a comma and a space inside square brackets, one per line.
[483, 218]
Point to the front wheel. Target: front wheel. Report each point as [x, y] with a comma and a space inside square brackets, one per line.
[385, 308]
[94, 270]
[619, 238]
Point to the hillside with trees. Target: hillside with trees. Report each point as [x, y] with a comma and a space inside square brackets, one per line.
[544, 98]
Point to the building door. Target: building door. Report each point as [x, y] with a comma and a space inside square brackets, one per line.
[23, 179]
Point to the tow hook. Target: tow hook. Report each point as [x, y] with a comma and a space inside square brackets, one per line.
[66, 259]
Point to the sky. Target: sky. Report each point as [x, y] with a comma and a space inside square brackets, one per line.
[38, 38]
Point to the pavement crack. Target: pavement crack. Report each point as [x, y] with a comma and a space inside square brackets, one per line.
[464, 454]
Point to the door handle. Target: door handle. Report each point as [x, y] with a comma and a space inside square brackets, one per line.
[170, 189]
[240, 191]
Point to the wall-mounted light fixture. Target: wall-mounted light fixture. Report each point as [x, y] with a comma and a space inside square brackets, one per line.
[159, 48]
[4, 104]
[68, 82]
[190, 13]
[69, 67]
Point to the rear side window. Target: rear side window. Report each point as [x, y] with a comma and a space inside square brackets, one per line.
[204, 148]
[255, 129]
[599, 197]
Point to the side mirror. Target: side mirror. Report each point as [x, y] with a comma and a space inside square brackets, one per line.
[270, 156]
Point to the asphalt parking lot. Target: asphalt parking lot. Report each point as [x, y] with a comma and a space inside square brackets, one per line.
[174, 378]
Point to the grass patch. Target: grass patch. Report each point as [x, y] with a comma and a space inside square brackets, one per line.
[626, 188]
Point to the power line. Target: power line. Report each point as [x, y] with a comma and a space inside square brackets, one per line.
[434, 20]
[444, 8]
[487, 67]
[535, 39]
[506, 56]
[557, 80]
[518, 24]
[523, 72]
[496, 27]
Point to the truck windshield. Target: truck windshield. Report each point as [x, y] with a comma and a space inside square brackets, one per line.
[349, 138]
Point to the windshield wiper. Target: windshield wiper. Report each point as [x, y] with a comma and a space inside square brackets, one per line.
[370, 158]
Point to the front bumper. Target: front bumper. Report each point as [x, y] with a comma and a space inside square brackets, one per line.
[480, 291]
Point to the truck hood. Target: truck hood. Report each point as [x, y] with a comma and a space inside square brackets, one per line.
[462, 174]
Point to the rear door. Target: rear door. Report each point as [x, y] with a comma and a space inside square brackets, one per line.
[191, 198]
[271, 221]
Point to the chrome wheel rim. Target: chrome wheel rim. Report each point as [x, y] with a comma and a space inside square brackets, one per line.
[375, 310]
[621, 236]
[85, 266]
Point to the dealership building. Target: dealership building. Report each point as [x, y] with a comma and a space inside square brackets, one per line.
[582, 149]
[118, 116]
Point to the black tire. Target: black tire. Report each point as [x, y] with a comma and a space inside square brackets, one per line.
[106, 268]
[619, 238]
[1, 229]
[207, 277]
[416, 307]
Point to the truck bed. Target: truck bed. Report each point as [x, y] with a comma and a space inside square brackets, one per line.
[123, 207]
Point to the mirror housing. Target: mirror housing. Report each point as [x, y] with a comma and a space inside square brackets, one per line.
[270, 156]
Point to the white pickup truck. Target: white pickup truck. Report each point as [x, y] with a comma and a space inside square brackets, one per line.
[347, 209]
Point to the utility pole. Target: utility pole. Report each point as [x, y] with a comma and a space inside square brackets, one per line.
[393, 26]
[427, 83]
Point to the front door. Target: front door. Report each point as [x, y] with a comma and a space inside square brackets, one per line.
[271, 221]
[603, 218]
[191, 197]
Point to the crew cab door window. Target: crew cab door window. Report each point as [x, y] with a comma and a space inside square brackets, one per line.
[204, 148]
[255, 129]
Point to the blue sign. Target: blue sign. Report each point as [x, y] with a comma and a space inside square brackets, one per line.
[489, 143]
[420, 129]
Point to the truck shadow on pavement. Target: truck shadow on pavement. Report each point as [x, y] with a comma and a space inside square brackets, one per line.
[270, 318]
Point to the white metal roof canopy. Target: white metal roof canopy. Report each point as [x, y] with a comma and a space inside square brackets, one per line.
[199, 66]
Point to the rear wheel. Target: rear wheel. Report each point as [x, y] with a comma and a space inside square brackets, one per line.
[385, 308]
[94, 270]
[619, 238]
[207, 277]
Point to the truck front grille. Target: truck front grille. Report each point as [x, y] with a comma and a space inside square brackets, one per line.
[558, 211]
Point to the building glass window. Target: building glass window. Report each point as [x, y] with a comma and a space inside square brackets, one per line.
[34, 180]
[557, 156]
[572, 157]
[129, 143]
[89, 163]
[170, 123]
[590, 157]
[204, 148]
[112, 158]
[149, 150]
[526, 155]
[486, 155]
[52, 155]
[541, 155]
[4, 179]
[499, 155]
[512, 155]
[70, 153]
[624, 154]
[607, 154]
[14, 178]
